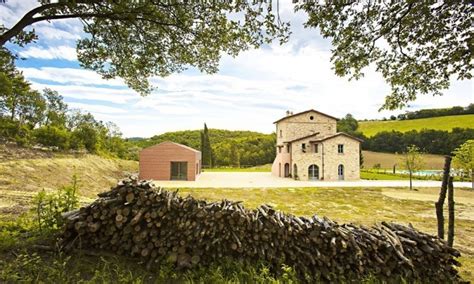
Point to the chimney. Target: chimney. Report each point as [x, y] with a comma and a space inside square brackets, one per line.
[288, 113]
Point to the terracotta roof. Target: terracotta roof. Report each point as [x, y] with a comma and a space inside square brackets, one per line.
[301, 138]
[177, 144]
[310, 110]
[335, 135]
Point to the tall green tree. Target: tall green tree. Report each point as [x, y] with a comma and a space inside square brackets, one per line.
[56, 108]
[135, 40]
[464, 158]
[418, 46]
[206, 148]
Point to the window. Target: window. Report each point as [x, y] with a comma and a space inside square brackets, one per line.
[288, 148]
[311, 117]
[316, 146]
[303, 147]
[281, 133]
[340, 148]
[279, 149]
[340, 172]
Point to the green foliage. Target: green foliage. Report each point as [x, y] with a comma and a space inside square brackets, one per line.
[53, 136]
[416, 45]
[437, 112]
[50, 206]
[348, 124]
[428, 140]
[206, 148]
[464, 158]
[253, 148]
[161, 38]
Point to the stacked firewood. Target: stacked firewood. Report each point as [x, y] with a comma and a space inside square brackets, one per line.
[135, 218]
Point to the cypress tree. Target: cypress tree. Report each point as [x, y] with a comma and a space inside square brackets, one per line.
[206, 149]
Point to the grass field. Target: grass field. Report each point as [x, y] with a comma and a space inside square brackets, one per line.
[387, 160]
[370, 128]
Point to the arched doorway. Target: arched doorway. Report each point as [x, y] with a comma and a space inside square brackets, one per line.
[295, 171]
[287, 170]
[340, 172]
[313, 172]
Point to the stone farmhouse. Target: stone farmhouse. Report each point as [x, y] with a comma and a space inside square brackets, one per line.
[310, 148]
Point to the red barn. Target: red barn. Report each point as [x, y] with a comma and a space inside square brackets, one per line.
[170, 161]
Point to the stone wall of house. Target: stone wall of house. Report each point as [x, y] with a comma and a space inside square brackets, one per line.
[349, 159]
[328, 165]
[302, 125]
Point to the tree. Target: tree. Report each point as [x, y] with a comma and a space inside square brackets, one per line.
[413, 161]
[206, 148]
[139, 39]
[416, 45]
[56, 109]
[464, 158]
[348, 124]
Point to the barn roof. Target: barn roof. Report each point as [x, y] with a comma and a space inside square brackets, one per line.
[174, 143]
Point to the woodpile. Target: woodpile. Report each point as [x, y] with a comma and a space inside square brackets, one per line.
[135, 218]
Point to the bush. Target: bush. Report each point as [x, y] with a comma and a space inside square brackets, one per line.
[50, 206]
[52, 136]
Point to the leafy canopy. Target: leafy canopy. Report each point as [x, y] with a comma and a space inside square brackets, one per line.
[416, 45]
[136, 40]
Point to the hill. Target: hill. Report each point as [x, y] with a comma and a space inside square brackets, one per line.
[22, 178]
[254, 148]
[370, 128]
[387, 160]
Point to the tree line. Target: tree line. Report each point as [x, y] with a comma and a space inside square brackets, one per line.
[30, 117]
[435, 112]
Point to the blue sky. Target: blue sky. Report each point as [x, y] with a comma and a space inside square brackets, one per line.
[248, 93]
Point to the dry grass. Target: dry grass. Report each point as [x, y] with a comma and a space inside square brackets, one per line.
[387, 160]
[21, 179]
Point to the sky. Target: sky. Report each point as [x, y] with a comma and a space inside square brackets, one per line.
[249, 92]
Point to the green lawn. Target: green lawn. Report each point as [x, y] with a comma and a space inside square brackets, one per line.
[370, 128]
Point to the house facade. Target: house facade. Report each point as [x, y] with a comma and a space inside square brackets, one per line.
[169, 161]
[310, 148]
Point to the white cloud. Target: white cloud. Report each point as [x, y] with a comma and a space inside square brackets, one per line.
[60, 52]
[96, 108]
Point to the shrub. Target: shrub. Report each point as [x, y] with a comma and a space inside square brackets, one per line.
[50, 206]
[52, 136]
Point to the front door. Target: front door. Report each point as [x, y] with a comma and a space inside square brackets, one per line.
[287, 170]
[179, 170]
[313, 172]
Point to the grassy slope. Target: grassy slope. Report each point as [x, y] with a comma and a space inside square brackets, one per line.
[21, 179]
[370, 128]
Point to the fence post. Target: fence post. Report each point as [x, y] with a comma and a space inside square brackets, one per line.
[450, 212]
[442, 196]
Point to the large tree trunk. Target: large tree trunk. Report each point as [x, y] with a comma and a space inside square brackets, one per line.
[442, 197]
[450, 212]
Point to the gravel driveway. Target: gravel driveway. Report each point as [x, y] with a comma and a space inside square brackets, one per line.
[264, 179]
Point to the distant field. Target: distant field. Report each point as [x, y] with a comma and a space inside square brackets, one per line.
[262, 168]
[387, 160]
[370, 128]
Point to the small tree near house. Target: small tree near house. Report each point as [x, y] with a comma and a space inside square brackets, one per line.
[413, 161]
[464, 158]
